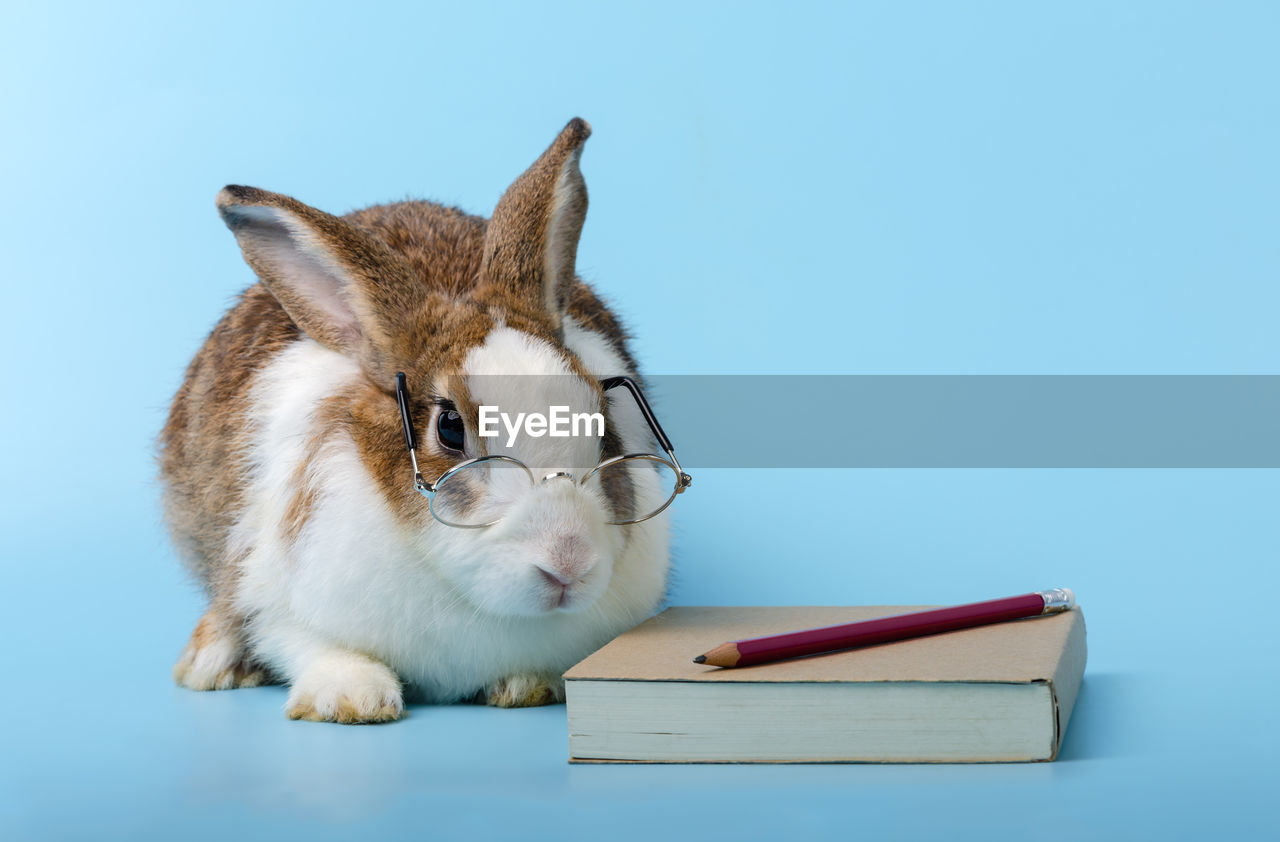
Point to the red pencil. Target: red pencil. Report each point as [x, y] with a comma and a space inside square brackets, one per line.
[759, 650]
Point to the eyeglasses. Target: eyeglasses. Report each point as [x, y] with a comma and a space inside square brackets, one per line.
[477, 493]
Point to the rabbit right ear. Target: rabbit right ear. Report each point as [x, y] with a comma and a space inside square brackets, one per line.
[531, 243]
[336, 283]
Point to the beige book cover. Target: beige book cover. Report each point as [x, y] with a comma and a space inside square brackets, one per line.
[950, 697]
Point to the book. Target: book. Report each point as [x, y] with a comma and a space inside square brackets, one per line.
[997, 693]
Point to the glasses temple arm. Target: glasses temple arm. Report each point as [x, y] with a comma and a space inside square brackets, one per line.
[652, 420]
[410, 439]
[402, 398]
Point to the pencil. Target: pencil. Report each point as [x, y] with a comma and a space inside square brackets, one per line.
[759, 650]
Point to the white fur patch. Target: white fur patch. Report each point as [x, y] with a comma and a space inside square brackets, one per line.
[602, 359]
[345, 686]
[518, 373]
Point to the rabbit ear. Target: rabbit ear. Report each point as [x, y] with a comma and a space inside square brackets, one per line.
[532, 240]
[336, 283]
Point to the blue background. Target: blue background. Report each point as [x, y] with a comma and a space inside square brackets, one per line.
[782, 188]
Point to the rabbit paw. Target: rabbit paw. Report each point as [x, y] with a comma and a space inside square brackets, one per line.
[525, 690]
[346, 688]
[215, 659]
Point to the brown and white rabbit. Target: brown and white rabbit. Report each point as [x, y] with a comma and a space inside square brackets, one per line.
[287, 483]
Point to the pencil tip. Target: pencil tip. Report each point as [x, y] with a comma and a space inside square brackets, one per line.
[701, 659]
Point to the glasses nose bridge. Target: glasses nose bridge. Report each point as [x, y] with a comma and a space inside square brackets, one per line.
[555, 475]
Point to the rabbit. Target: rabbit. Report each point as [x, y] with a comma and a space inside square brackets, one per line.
[288, 488]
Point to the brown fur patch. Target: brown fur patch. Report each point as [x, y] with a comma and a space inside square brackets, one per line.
[204, 443]
[347, 714]
[618, 487]
[331, 419]
[301, 503]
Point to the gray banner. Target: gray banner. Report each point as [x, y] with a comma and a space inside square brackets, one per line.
[985, 421]
[971, 421]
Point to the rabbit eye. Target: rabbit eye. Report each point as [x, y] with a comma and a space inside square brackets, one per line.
[450, 431]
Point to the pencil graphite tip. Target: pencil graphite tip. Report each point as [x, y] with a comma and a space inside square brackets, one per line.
[701, 659]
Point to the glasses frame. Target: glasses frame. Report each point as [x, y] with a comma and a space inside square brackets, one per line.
[428, 489]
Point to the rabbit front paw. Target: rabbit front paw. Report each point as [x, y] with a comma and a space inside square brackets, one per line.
[525, 690]
[347, 688]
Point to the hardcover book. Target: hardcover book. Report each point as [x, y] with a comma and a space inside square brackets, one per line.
[996, 693]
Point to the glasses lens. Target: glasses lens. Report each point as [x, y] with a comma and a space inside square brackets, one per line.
[480, 493]
[634, 488]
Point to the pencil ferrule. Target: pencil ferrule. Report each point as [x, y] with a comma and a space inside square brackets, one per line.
[1057, 599]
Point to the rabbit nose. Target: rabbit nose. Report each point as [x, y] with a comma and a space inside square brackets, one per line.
[570, 558]
[554, 579]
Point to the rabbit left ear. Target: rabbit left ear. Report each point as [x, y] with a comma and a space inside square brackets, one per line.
[343, 288]
[532, 241]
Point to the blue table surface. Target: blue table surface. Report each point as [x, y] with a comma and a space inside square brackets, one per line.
[148, 760]
[177, 764]
[98, 744]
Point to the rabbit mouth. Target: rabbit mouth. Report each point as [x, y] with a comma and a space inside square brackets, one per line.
[560, 592]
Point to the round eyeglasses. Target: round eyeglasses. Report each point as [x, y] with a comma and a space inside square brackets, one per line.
[479, 492]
